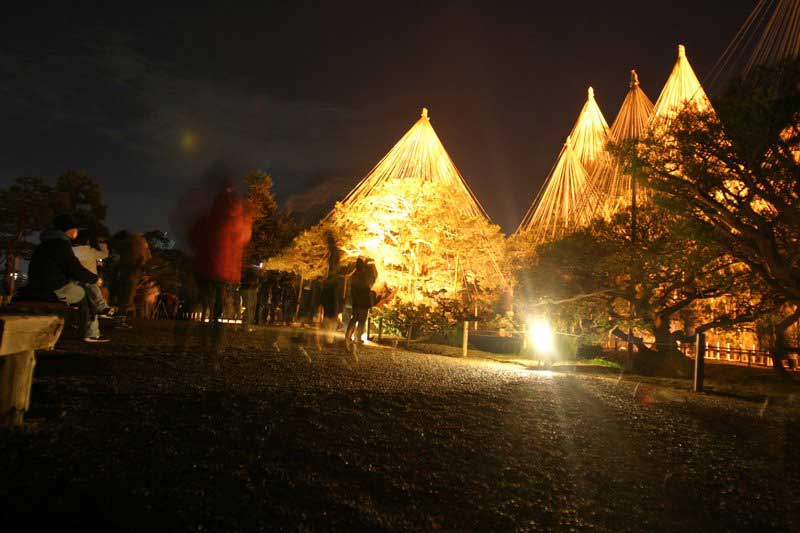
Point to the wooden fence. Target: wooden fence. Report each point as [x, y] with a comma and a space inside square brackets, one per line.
[727, 354]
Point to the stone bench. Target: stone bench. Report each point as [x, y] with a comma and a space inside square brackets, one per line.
[71, 314]
[20, 337]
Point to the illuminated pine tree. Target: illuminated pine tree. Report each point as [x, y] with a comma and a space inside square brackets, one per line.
[416, 217]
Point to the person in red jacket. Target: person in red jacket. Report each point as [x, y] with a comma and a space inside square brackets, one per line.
[218, 240]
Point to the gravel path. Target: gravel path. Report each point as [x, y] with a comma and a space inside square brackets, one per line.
[139, 434]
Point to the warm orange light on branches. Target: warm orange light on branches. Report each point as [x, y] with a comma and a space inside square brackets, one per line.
[416, 217]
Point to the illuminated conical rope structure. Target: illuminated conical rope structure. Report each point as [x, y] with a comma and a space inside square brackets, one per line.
[614, 189]
[419, 155]
[682, 88]
[634, 115]
[558, 208]
[417, 218]
[590, 134]
[567, 201]
[781, 36]
[770, 34]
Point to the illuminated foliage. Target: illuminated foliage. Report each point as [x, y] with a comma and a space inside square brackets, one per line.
[420, 242]
[415, 216]
[665, 284]
[736, 175]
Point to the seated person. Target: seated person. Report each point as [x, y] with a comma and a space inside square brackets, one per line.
[88, 254]
[55, 273]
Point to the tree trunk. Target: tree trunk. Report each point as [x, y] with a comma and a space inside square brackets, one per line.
[641, 347]
[781, 348]
[662, 360]
[665, 341]
[299, 299]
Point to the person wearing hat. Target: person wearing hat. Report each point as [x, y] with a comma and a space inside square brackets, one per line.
[55, 273]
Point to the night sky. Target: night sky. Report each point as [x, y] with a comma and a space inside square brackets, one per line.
[145, 100]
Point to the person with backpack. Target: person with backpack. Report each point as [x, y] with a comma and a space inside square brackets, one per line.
[362, 298]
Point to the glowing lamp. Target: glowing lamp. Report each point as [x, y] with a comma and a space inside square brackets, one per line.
[540, 336]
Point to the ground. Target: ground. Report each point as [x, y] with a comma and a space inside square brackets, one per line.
[142, 434]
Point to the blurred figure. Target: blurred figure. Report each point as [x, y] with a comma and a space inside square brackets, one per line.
[218, 240]
[362, 297]
[188, 298]
[133, 253]
[167, 306]
[146, 297]
[331, 293]
[328, 310]
[187, 306]
[249, 293]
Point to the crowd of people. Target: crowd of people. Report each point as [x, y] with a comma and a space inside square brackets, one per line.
[107, 278]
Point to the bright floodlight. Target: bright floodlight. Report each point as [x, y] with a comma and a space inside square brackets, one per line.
[540, 336]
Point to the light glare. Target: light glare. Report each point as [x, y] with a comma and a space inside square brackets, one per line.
[540, 336]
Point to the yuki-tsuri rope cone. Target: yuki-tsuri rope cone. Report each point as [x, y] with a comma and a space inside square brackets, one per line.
[682, 89]
[420, 155]
[567, 200]
[590, 134]
[558, 208]
[770, 34]
[415, 215]
[634, 114]
[586, 182]
[615, 188]
[636, 118]
[417, 218]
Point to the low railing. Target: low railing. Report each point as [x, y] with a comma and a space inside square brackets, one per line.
[726, 354]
